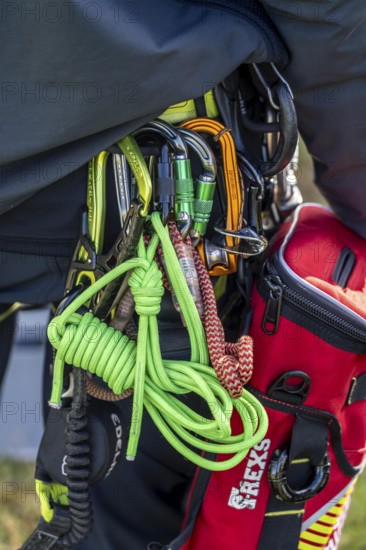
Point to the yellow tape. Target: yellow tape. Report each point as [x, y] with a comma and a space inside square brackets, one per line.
[285, 513]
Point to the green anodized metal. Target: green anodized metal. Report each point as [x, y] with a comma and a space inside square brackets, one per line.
[204, 193]
[204, 185]
[184, 196]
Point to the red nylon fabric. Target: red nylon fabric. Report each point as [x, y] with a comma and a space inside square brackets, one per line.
[312, 251]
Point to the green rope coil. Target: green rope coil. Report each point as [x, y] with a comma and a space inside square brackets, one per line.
[86, 342]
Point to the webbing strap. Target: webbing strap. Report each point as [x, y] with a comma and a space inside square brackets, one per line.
[282, 525]
[296, 475]
[47, 534]
[200, 105]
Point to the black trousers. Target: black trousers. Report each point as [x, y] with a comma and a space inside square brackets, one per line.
[141, 501]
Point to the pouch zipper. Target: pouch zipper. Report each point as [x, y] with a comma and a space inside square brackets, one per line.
[277, 281]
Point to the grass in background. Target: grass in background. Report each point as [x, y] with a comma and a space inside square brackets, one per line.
[19, 511]
[353, 536]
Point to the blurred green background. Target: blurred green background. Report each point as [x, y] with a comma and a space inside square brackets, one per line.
[19, 511]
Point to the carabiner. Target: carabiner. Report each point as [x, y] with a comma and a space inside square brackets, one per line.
[289, 195]
[168, 133]
[288, 132]
[234, 192]
[266, 86]
[204, 185]
[122, 178]
[90, 243]
[131, 150]
[255, 191]
[247, 241]
[84, 265]
[182, 173]
[96, 199]
[126, 242]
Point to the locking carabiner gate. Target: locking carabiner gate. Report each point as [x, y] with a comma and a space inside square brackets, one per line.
[182, 173]
[204, 185]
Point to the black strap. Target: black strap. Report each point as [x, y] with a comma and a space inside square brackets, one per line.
[309, 439]
[325, 417]
[47, 534]
[200, 106]
[282, 525]
[296, 474]
[358, 389]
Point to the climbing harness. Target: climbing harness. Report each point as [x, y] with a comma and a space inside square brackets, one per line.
[65, 503]
[167, 241]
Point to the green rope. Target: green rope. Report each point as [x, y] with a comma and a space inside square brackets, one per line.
[86, 342]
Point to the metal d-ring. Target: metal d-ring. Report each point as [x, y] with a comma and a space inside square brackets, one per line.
[277, 475]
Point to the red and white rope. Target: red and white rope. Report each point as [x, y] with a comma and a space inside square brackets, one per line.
[233, 362]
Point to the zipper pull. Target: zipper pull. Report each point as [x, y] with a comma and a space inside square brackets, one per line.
[271, 317]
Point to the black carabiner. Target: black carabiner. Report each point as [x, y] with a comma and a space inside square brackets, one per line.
[278, 478]
[183, 206]
[281, 100]
[288, 132]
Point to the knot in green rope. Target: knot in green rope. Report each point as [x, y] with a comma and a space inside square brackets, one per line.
[57, 329]
[147, 289]
[158, 385]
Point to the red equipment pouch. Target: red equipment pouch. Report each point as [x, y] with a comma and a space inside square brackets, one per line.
[309, 330]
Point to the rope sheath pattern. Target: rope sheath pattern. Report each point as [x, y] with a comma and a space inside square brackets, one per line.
[233, 363]
[86, 342]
